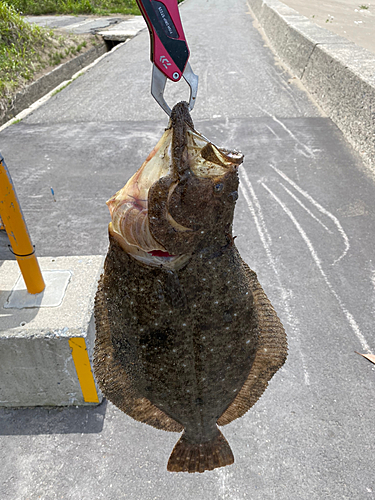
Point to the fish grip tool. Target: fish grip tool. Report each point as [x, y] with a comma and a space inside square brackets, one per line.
[169, 49]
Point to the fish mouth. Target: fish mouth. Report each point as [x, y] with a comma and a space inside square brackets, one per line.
[129, 207]
[160, 253]
[153, 258]
[208, 160]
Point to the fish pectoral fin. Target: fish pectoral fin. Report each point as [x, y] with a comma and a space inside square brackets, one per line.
[270, 356]
[198, 457]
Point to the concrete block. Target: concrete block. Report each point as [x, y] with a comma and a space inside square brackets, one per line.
[292, 47]
[46, 349]
[92, 25]
[55, 21]
[342, 80]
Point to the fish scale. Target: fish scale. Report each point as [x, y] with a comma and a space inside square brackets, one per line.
[186, 341]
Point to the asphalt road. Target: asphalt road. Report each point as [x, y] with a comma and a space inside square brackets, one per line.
[304, 222]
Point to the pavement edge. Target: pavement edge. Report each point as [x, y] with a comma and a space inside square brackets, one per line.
[337, 73]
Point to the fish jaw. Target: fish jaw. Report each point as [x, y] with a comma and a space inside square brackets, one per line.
[154, 258]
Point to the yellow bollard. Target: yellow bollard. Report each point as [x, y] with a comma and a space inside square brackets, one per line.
[15, 226]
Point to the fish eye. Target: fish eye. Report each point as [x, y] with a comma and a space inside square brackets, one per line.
[218, 187]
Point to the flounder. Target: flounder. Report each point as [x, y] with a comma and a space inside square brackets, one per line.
[186, 339]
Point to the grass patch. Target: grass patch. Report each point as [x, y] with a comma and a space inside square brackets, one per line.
[98, 7]
[27, 50]
[19, 43]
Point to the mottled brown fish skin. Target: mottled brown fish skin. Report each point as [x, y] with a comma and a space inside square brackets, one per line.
[188, 348]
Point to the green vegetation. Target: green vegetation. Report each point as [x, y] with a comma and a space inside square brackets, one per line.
[364, 7]
[101, 7]
[18, 44]
[26, 50]
[98, 7]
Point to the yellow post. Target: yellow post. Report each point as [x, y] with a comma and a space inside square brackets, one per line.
[15, 226]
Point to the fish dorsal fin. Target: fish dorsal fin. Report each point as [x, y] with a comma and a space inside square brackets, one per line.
[113, 379]
[270, 355]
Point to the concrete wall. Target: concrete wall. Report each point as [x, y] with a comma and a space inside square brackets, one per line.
[338, 74]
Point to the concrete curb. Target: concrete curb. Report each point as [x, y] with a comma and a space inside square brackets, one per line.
[47, 82]
[338, 74]
[46, 350]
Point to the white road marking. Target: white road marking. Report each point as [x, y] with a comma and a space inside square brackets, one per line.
[321, 209]
[258, 217]
[306, 151]
[353, 324]
[248, 193]
[305, 208]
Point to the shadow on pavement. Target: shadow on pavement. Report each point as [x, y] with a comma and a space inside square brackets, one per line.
[5, 253]
[61, 420]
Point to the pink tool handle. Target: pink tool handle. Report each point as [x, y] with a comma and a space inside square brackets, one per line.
[169, 50]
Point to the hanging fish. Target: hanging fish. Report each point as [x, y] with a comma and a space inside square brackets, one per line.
[186, 338]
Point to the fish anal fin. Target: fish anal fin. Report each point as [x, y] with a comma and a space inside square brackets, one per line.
[115, 382]
[198, 457]
[270, 356]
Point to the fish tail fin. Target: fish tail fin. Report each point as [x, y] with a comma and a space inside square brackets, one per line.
[198, 457]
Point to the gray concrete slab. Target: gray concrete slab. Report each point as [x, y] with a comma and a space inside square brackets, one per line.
[41, 336]
[55, 21]
[304, 221]
[92, 25]
[124, 30]
[76, 24]
[347, 18]
[56, 282]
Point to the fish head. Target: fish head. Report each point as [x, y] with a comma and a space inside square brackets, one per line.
[193, 205]
[181, 199]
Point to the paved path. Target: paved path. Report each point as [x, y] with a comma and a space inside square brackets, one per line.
[351, 19]
[304, 221]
